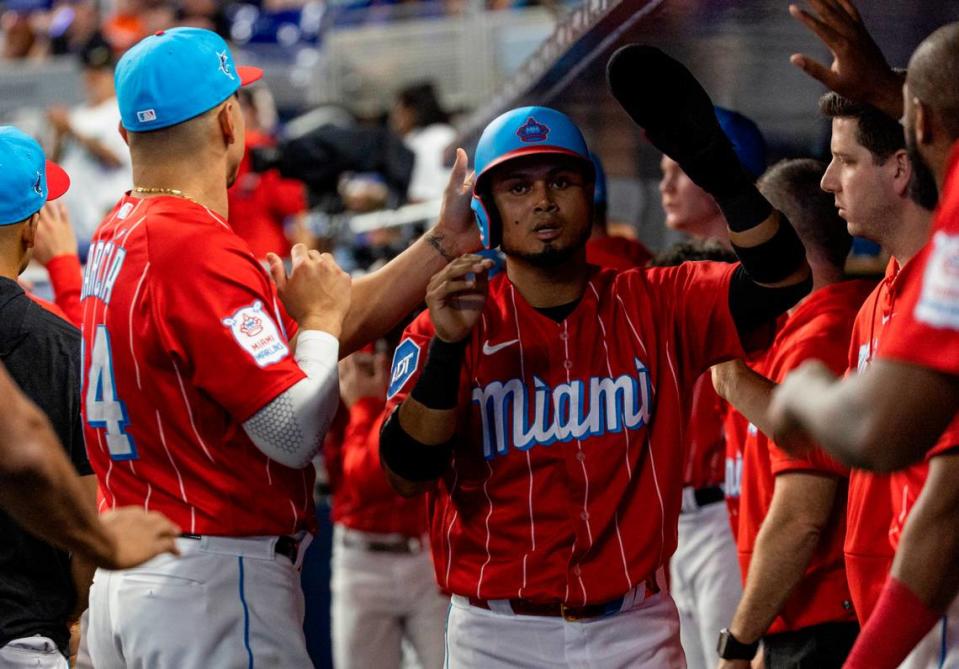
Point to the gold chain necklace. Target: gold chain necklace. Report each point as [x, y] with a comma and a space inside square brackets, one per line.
[165, 191]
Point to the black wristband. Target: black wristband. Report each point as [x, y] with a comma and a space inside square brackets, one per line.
[438, 385]
[408, 458]
[775, 259]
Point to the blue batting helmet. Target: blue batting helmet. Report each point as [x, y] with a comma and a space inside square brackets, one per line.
[520, 132]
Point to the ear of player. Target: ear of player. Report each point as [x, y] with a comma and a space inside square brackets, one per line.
[520, 132]
[679, 119]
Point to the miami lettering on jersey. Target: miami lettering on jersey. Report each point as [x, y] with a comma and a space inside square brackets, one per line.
[103, 267]
[512, 415]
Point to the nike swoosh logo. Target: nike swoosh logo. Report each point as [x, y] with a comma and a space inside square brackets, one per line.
[885, 319]
[490, 350]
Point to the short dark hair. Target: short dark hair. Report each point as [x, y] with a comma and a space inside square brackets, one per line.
[693, 249]
[792, 187]
[878, 133]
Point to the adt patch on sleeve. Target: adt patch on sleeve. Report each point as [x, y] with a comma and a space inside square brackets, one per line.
[405, 359]
[257, 334]
[939, 302]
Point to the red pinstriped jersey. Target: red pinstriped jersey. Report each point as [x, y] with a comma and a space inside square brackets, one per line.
[567, 470]
[183, 340]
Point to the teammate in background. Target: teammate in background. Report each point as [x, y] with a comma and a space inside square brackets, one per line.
[263, 206]
[891, 429]
[384, 591]
[704, 572]
[691, 210]
[41, 589]
[531, 396]
[869, 178]
[792, 510]
[195, 404]
[602, 248]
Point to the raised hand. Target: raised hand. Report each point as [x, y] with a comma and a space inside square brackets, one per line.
[859, 71]
[137, 536]
[456, 233]
[362, 375]
[456, 296]
[316, 294]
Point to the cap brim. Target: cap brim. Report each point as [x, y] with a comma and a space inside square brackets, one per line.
[248, 74]
[58, 181]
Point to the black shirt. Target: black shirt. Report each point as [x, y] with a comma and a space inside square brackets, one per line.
[42, 354]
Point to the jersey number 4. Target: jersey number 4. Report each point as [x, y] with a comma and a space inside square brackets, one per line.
[106, 411]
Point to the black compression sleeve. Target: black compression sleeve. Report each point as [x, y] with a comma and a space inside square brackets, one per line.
[438, 385]
[777, 258]
[753, 306]
[408, 458]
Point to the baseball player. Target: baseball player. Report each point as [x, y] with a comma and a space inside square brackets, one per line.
[196, 401]
[892, 429]
[543, 409]
[382, 585]
[792, 509]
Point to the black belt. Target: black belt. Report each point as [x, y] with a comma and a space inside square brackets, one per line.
[286, 546]
[406, 546]
[704, 497]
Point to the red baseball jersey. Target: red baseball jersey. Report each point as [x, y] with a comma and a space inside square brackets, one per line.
[705, 466]
[869, 507]
[619, 253]
[363, 498]
[818, 328]
[567, 470]
[183, 340]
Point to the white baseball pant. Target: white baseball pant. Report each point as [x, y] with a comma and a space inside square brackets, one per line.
[705, 580]
[940, 648]
[36, 652]
[382, 599]
[645, 634]
[225, 603]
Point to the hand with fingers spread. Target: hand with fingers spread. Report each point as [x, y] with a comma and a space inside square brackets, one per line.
[137, 536]
[316, 294]
[456, 232]
[55, 236]
[456, 296]
[859, 71]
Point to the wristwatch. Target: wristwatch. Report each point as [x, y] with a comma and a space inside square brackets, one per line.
[730, 648]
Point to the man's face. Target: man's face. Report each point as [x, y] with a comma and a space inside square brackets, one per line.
[688, 207]
[545, 207]
[863, 190]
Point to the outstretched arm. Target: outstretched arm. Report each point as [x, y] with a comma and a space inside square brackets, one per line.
[667, 101]
[882, 419]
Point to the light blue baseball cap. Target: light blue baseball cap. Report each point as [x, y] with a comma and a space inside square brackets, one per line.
[27, 179]
[175, 75]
